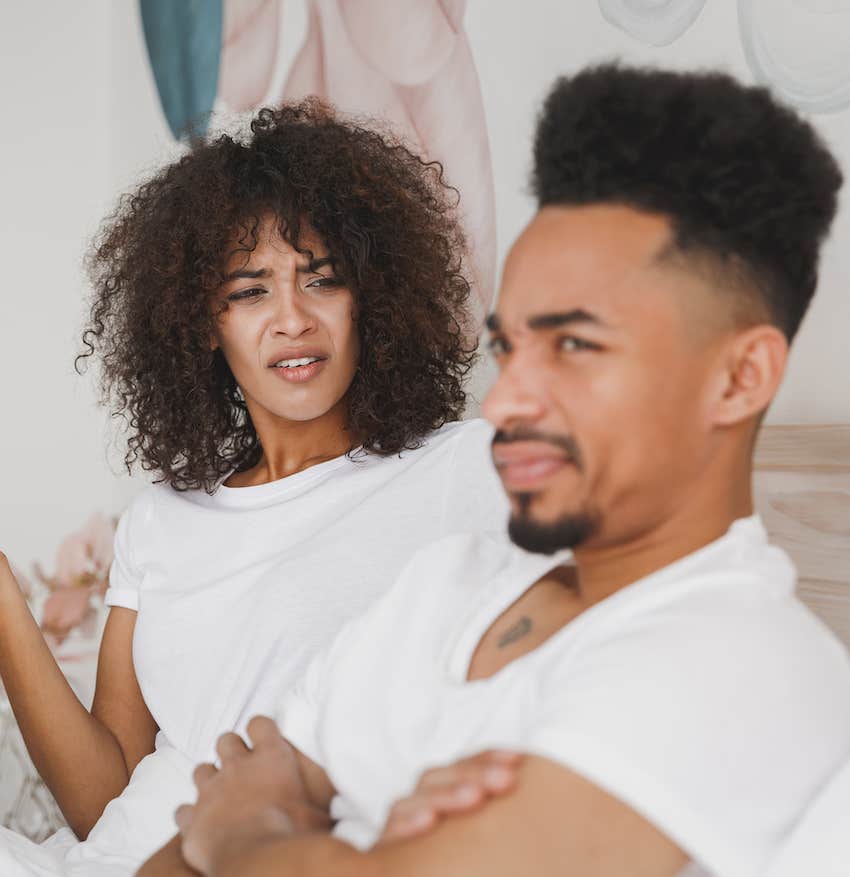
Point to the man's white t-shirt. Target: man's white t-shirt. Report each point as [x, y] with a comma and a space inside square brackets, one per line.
[705, 696]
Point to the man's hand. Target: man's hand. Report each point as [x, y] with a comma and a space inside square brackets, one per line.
[457, 788]
[257, 794]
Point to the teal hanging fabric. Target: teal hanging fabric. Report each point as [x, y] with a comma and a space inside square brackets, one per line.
[184, 46]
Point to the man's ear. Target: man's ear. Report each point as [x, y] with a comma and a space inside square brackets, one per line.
[751, 371]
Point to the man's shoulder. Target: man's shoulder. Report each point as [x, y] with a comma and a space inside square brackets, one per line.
[464, 557]
[455, 571]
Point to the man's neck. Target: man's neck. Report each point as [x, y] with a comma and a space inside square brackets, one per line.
[606, 566]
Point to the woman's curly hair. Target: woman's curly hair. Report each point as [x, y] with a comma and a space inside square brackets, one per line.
[385, 215]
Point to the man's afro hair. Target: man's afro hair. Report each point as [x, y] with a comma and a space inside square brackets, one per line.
[742, 178]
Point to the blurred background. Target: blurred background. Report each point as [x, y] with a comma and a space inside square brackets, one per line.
[92, 98]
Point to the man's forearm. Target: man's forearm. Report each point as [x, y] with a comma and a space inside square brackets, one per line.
[168, 862]
[313, 855]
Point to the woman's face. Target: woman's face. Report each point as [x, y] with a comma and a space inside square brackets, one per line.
[286, 325]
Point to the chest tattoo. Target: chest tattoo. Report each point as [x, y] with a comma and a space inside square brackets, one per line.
[516, 631]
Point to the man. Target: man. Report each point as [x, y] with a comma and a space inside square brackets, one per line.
[678, 707]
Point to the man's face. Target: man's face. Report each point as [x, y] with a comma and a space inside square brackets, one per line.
[286, 327]
[600, 402]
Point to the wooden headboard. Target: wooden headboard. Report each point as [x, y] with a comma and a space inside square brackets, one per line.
[802, 491]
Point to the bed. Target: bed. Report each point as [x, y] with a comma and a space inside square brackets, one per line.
[802, 491]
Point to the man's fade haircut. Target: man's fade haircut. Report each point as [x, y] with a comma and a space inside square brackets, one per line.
[745, 182]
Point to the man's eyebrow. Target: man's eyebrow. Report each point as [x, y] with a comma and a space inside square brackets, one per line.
[563, 318]
[548, 321]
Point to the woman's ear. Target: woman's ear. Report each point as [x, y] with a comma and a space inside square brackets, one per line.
[752, 367]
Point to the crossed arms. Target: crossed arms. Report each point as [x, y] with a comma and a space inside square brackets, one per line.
[264, 813]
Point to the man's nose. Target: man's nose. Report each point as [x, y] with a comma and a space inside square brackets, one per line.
[516, 396]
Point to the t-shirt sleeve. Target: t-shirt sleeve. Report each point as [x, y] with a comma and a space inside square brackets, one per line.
[298, 713]
[125, 574]
[716, 727]
[474, 500]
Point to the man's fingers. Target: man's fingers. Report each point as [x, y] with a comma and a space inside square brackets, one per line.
[501, 756]
[183, 816]
[494, 772]
[263, 731]
[230, 746]
[456, 788]
[423, 809]
[407, 821]
[202, 773]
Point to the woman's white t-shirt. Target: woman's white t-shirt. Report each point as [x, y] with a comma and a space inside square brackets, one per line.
[237, 590]
[705, 696]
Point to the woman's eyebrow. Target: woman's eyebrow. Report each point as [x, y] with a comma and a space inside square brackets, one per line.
[314, 264]
[246, 274]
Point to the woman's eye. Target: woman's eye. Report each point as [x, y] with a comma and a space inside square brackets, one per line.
[571, 343]
[246, 294]
[324, 283]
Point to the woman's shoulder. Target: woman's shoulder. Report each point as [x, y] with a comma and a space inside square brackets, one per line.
[474, 433]
[155, 502]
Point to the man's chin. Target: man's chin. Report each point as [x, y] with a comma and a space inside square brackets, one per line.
[547, 538]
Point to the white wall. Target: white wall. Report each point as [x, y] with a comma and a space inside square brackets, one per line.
[82, 121]
[54, 179]
[520, 47]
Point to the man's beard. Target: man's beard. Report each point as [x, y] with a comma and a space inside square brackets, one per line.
[568, 531]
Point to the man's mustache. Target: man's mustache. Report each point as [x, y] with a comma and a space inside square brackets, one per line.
[565, 443]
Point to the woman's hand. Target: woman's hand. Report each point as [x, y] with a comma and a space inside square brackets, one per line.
[7, 577]
[84, 758]
[446, 791]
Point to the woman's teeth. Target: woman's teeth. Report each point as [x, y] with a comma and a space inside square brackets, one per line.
[294, 363]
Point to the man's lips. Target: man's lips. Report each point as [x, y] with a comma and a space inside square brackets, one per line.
[526, 465]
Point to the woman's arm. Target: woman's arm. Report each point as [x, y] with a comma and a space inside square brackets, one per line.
[84, 758]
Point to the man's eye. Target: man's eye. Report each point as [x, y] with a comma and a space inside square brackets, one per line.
[571, 343]
[497, 346]
[246, 294]
[324, 283]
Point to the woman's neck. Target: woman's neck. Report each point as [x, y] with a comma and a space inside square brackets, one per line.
[290, 446]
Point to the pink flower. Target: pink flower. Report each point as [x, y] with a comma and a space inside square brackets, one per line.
[84, 557]
[65, 609]
[82, 571]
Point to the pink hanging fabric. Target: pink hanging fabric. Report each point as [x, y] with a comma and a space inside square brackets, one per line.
[408, 62]
[249, 52]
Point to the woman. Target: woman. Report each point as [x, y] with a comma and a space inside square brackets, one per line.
[280, 321]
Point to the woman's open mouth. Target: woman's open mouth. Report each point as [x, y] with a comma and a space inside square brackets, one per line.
[299, 370]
